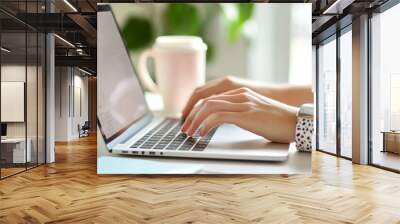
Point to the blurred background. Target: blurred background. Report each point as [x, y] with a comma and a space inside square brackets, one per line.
[265, 42]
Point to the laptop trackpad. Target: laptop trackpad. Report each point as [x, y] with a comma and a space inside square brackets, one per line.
[232, 139]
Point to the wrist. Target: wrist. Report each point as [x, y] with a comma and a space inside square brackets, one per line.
[292, 119]
[271, 91]
[285, 130]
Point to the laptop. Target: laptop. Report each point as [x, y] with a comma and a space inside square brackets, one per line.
[128, 127]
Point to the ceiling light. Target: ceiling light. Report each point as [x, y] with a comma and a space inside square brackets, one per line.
[65, 41]
[84, 71]
[80, 51]
[70, 5]
[5, 50]
[337, 7]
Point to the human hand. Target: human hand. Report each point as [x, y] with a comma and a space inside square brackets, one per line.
[247, 109]
[211, 88]
[294, 95]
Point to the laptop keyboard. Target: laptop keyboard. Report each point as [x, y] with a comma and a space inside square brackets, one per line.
[167, 136]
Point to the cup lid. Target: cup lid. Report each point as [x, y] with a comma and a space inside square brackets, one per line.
[180, 42]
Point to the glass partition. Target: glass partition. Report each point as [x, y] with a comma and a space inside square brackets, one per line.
[22, 88]
[13, 109]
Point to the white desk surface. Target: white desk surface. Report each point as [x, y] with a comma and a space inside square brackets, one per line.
[107, 163]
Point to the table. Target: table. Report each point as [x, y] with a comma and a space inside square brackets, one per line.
[18, 149]
[391, 141]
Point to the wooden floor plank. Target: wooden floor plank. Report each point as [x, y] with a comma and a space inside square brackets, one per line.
[70, 191]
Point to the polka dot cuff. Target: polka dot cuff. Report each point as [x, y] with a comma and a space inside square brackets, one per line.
[304, 134]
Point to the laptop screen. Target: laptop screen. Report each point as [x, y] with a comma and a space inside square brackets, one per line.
[120, 97]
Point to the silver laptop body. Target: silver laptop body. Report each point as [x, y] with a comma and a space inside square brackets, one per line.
[128, 127]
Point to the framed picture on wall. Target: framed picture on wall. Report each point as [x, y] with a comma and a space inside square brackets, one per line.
[12, 101]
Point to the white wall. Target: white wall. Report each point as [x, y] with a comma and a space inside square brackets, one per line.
[68, 82]
[80, 84]
[62, 81]
[281, 50]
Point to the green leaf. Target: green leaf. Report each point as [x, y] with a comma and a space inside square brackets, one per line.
[236, 16]
[182, 19]
[245, 11]
[138, 33]
[234, 29]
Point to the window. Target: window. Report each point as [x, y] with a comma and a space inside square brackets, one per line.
[385, 89]
[327, 96]
[346, 93]
[333, 137]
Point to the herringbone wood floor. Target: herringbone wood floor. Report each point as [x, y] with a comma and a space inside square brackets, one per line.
[70, 191]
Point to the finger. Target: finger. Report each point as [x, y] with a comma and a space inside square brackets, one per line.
[193, 99]
[237, 98]
[237, 90]
[189, 118]
[214, 87]
[217, 119]
[214, 106]
[233, 98]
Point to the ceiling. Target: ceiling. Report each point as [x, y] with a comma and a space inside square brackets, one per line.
[75, 21]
